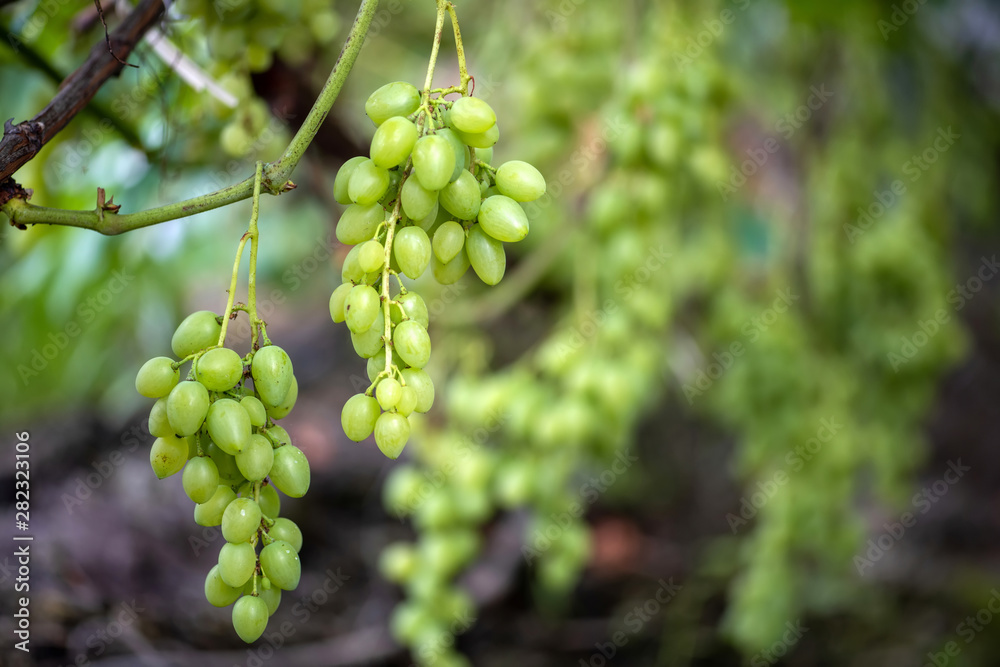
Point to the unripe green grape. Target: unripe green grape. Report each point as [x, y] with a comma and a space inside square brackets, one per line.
[280, 434]
[375, 365]
[237, 562]
[520, 181]
[358, 222]
[241, 520]
[407, 401]
[270, 502]
[187, 406]
[219, 369]
[192, 445]
[271, 597]
[393, 99]
[272, 374]
[445, 552]
[218, 592]
[168, 455]
[337, 301]
[462, 198]
[448, 273]
[417, 201]
[343, 179]
[290, 472]
[197, 331]
[503, 219]
[256, 458]
[201, 479]
[361, 308]
[371, 256]
[392, 430]
[433, 161]
[369, 343]
[387, 393]
[255, 410]
[413, 251]
[409, 621]
[438, 511]
[225, 463]
[485, 139]
[157, 378]
[421, 382]
[472, 115]
[449, 239]
[486, 255]
[485, 154]
[412, 305]
[229, 425]
[358, 417]
[393, 142]
[459, 149]
[368, 183]
[398, 562]
[351, 273]
[281, 411]
[235, 140]
[427, 224]
[285, 530]
[412, 343]
[280, 563]
[159, 423]
[210, 513]
[250, 618]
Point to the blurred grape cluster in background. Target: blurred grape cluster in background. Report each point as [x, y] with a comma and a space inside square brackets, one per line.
[732, 404]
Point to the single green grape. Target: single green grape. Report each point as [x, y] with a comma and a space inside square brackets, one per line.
[398, 562]
[462, 198]
[449, 239]
[387, 392]
[407, 401]
[229, 425]
[368, 183]
[371, 256]
[412, 342]
[393, 142]
[485, 154]
[448, 273]
[358, 222]
[225, 463]
[159, 423]
[460, 150]
[200, 479]
[197, 331]
[281, 411]
[421, 382]
[272, 598]
[358, 417]
[433, 161]
[187, 406]
[219, 369]
[272, 374]
[210, 513]
[503, 219]
[472, 115]
[256, 458]
[343, 179]
[412, 305]
[486, 255]
[392, 430]
[280, 434]
[270, 502]
[361, 308]
[413, 251]
[417, 201]
[337, 301]
[241, 520]
[279, 561]
[218, 592]
[255, 409]
[486, 139]
[286, 530]
[520, 181]
[427, 223]
[369, 343]
[237, 561]
[393, 99]
[168, 455]
[250, 615]
[290, 471]
[157, 377]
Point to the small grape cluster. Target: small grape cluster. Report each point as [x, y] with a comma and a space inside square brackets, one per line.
[426, 196]
[222, 434]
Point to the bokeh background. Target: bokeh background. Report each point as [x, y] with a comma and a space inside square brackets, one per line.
[734, 402]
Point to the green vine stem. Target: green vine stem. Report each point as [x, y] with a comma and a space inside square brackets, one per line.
[232, 289]
[463, 71]
[275, 174]
[255, 321]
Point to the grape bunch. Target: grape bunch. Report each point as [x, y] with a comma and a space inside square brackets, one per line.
[222, 434]
[427, 196]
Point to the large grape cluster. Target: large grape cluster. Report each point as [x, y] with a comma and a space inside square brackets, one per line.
[222, 434]
[427, 196]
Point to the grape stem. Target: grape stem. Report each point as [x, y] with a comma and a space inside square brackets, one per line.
[232, 288]
[386, 271]
[460, 51]
[255, 321]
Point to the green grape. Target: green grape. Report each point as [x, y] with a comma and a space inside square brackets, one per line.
[387, 393]
[290, 472]
[417, 201]
[192, 445]
[358, 417]
[241, 520]
[279, 561]
[449, 240]
[446, 551]
[197, 331]
[272, 598]
[398, 562]
[388, 200]
[422, 384]
[375, 365]
[237, 562]
[472, 115]
[486, 255]
[225, 463]
[369, 343]
[412, 342]
[219, 369]
[168, 455]
[229, 425]
[433, 161]
[407, 401]
[514, 483]
[392, 430]
[280, 434]
[485, 139]
[272, 374]
[412, 305]
[187, 406]
[413, 251]
[358, 222]
[351, 273]
[286, 531]
[402, 490]
[485, 154]
[281, 411]
[255, 410]
[210, 513]
[503, 219]
[393, 99]
[256, 458]
[270, 502]
[343, 179]
[368, 183]
[462, 198]
[461, 152]
[337, 301]
[157, 378]
[520, 181]
[159, 423]
[409, 621]
[361, 308]
[427, 224]
[393, 142]
[448, 273]
[218, 592]
[201, 479]
[371, 256]
[250, 618]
